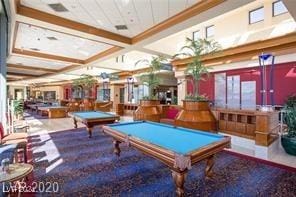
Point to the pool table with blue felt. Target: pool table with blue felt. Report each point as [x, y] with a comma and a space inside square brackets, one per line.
[177, 147]
[93, 118]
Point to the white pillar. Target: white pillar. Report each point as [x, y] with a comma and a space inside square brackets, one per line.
[182, 88]
[3, 49]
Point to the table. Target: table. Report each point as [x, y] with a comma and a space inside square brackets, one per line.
[53, 111]
[93, 118]
[34, 107]
[16, 172]
[177, 147]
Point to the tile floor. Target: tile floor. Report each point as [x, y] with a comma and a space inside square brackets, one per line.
[274, 152]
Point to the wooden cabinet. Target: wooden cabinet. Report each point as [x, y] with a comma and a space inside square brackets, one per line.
[126, 109]
[260, 126]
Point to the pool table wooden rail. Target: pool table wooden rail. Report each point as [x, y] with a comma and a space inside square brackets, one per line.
[91, 122]
[168, 157]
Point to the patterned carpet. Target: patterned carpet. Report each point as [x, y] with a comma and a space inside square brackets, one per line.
[88, 167]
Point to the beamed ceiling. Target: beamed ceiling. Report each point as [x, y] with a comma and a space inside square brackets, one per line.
[57, 40]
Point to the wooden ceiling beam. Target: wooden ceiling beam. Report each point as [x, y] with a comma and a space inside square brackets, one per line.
[280, 45]
[32, 68]
[21, 74]
[192, 11]
[46, 56]
[56, 20]
[103, 54]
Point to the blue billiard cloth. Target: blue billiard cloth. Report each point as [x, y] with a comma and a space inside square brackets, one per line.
[177, 139]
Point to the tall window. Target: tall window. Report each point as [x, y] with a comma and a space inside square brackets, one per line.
[278, 8]
[196, 35]
[256, 15]
[210, 31]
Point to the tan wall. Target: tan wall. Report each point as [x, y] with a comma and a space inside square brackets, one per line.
[12, 89]
[115, 93]
[57, 89]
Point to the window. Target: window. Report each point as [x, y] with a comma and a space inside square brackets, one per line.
[256, 15]
[210, 30]
[278, 8]
[196, 35]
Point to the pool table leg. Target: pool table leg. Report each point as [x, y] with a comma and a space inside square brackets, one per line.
[116, 147]
[89, 130]
[75, 123]
[179, 179]
[210, 164]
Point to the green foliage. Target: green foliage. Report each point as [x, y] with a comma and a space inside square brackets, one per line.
[86, 81]
[18, 107]
[196, 69]
[196, 98]
[291, 101]
[175, 100]
[290, 115]
[150, 79]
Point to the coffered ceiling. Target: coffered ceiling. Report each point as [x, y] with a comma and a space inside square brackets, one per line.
[136, 15]
[80, 36]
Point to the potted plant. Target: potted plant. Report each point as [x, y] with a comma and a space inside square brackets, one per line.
[148, 109]
[86, 82]
[196, 113]
[18, 109]
[289, 139]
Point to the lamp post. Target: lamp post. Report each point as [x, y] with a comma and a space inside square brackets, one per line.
[130, 89]
[263, 58]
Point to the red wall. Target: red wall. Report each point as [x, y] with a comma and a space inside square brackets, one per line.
[93, 91]
[284, 82]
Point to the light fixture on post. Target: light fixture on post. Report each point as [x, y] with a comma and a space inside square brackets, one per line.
[263, 58]
[130, 89]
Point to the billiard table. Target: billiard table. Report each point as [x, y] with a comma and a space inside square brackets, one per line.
[177, 147]
[92, 118]
[53, 111]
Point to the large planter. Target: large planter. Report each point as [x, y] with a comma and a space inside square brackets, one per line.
[289, 144]
[196, 115]
[148, 110]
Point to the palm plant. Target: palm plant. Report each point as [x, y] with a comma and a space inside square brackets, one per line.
[196, 69]
[290, 115]
[18, 108]
[85, 81]
[150, 79]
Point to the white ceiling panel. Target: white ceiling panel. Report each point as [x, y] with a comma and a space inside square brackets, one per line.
[75, 7]
[137, 15]
[129, 62]
[144, 13]
[129, 14]
[176, 6]
[160, 10]
[191, 2]
[96, 13]
[34, 62]
[31, 37]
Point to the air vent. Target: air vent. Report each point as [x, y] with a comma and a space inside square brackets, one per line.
[51, 38]
[121, 27]
[35, 49]
[58, 7]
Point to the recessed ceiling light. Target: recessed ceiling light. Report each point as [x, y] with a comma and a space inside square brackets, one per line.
[121, 27]
[58, 7]
[35, 49]
[51, 38]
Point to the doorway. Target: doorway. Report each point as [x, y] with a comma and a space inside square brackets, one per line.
[18, 94]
